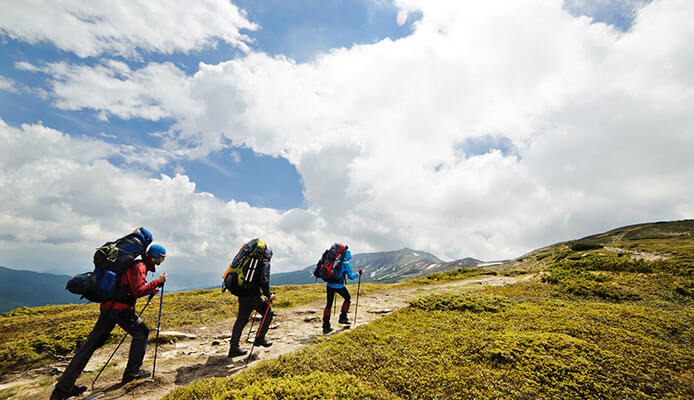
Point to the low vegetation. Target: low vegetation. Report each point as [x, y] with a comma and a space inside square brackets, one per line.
[499, 343]
[594, 325]
[35, 337]
[448, 276]
[611, 320]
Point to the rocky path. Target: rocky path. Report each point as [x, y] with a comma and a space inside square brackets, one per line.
[638, 255]
[201, 352]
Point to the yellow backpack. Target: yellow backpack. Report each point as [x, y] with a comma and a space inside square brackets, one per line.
[246, 267]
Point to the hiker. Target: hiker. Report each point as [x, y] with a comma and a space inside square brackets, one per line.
[249, 294]
[338, 286]
[121, 312]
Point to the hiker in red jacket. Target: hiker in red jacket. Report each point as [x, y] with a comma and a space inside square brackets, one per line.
[119, 312]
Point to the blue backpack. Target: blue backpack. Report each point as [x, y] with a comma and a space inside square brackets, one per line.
[111, 260]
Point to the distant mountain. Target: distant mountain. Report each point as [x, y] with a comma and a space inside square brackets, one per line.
[388, 266]
[33, 289]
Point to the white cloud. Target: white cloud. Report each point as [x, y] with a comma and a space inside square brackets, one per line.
[26, 66]
[107, 135]
[159, 90]
[600, 122]
[7, 85]
[62, 198]
[596, 116]
[91, 28]
[401, 18]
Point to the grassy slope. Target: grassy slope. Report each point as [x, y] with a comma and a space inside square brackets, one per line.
[594, 325]
[35, 337]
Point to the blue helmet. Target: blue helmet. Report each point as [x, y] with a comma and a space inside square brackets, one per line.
[348, 255]
[156, 251]
[145, 235]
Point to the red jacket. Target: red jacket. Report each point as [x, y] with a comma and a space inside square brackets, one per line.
[134, 281]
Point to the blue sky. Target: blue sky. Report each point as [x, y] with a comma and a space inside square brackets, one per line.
[465, 129]
[295, 29]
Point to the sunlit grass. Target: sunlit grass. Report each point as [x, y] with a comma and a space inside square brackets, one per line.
[593, 324]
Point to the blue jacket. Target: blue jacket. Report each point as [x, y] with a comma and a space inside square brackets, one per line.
[346, 272]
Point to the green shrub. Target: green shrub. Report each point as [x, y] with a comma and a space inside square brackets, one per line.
[584, 246]
[599, 277]
[586, 288]
[621, 264]
[461, 302]
[446, 276]
[685, 288]
[513, 272]
[316, 385]
[536, 348]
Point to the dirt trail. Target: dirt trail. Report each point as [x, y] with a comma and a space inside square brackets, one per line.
[637, 254]
[188, 360]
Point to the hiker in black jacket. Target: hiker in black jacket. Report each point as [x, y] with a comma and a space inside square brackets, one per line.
[250, 299]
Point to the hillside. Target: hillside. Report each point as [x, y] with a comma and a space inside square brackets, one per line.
[608, 316]
[384, 267]
[35, 343]
[32, 289]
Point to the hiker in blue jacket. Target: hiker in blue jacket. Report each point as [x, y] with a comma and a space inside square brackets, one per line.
[340, 289]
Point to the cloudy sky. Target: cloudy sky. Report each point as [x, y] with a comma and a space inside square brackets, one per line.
[462, 128]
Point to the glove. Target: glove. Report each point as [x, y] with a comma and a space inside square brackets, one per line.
[361, 271]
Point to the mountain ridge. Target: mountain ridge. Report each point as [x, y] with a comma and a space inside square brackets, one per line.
[383, 267]
[387, 266]
[25, 288]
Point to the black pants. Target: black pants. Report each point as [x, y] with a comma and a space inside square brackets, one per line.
[126, 319]
[331, 296]
[246, 305]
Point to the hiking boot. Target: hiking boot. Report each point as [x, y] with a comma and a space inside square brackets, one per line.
[263, 342]
[59, 394]
[343, 319]
[235, 351]
[326, 326]
[137, 375]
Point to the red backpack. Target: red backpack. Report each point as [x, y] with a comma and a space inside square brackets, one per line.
[329, 267]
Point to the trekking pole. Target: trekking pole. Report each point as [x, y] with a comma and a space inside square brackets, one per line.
[356, 306]
[248, 338]
[121, 342]
[334, 305]
[269, 304]
[156, 343]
